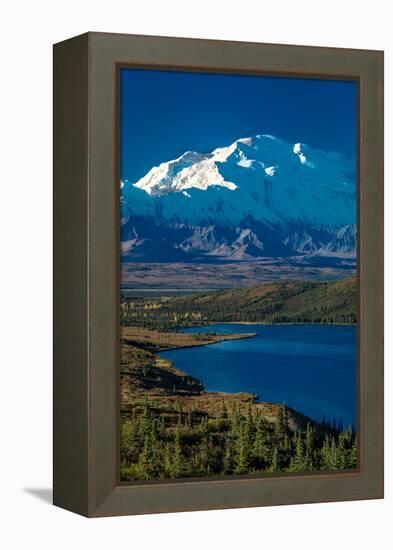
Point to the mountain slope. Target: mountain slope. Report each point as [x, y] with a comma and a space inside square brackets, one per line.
[306, 302]
[290, 198]
[284, 302]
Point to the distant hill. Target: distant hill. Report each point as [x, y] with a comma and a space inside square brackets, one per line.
[282, 302]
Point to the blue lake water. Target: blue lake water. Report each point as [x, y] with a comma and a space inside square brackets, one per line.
[311, 368]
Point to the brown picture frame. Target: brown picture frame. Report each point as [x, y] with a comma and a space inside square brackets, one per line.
[86, 274]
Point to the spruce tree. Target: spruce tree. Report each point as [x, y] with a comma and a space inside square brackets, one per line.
[249, 425]
[275, 463]
[235, 420]
[146, 468]
[325, 454]
[146, 421]
[333, 458]
[227, 465]
[310, 446]
[281, 425]
[342, 451]
[179, 411]
[259, 449]
[167, 463]
[177, 462]
[353, 454]
[298, 462]
[242, 458]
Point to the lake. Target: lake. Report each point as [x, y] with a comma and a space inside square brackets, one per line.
[311, 368]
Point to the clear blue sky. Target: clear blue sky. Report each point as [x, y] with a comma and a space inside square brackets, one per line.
[164, 113]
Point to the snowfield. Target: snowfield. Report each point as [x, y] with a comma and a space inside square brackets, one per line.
[259, 196]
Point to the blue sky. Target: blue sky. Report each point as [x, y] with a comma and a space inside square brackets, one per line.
[164, 113]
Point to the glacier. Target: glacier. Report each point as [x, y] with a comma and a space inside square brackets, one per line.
[258, 197]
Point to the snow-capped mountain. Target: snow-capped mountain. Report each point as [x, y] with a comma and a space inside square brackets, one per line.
[258, 197]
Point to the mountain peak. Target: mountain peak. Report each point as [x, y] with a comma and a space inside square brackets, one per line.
[257, 197]
[200, 170]
[261, 177]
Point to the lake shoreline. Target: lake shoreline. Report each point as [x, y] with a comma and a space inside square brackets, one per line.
[228, 338]
[272, 379]
[278, 324]
[259, 323]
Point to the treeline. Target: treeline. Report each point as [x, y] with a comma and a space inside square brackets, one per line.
[294, 302]
[155, 444]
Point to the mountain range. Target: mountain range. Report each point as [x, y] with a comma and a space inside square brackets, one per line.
[260, 197]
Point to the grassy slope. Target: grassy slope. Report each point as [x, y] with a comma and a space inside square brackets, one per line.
[326, 302]
[144, 373]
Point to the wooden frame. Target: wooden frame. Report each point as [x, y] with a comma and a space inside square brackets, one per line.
[86, 274]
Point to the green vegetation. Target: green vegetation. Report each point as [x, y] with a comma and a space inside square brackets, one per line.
[157, 442]
[172, 428]
[289, 302]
